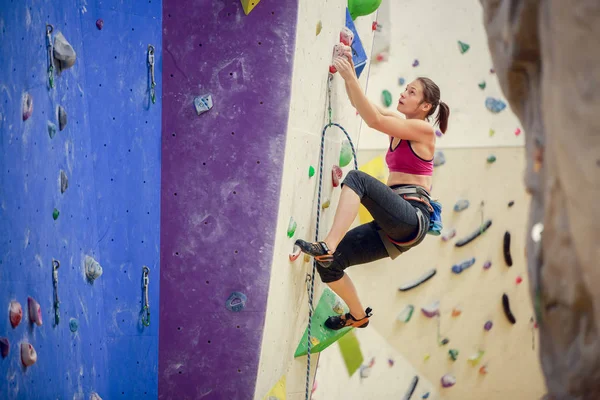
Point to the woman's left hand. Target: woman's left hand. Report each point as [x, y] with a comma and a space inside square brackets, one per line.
[343, 66]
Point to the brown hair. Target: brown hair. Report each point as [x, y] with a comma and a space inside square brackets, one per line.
[431, 95]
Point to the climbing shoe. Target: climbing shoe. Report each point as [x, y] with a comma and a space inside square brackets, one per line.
[347, 320]
[319, 251]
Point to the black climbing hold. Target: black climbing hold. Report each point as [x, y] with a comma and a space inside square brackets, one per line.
[507, 256]
[62, 118]
[511, 203]
[507, 311]
[411, 388]
[413, 284]
[475, 234]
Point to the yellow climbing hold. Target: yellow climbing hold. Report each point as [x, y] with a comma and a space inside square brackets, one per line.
[314, 341]
[426, 357]
[306, 258]
[319, 27]
[326, 204]
[277, 391]
[249, 5]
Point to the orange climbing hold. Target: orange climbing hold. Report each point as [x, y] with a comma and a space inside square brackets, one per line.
[15, 313]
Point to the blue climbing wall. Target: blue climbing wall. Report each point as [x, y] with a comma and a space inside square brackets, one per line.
[110, 151]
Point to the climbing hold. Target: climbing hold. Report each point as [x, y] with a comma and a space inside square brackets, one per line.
[27, 106]
[517, 132]
[248, 5]
[423, 278]
[15, 313]
[476, 358]
[345, 154]
[494, 105]
[311, 171]
[431, 310]
[439, 158]
[295, 254]
[536, 232]
[64, 181]
[406, 314]
[386, 98]
[482, 85]
[34, 311]
[461, 204]
[336, 175]
[326, 204]
[365, 371]
[62, 118]
[483, 370]
[518, 280]
[415, 63]
[492, 71]
[425, 395]
[488, 326]
[448, 380]
[306, 258]
[64, 55]
[51, 130]
[448, 234]
[511, 203]
[291, 227]
[93, 270]
[358, 8]
[444, 341]
[319, 27]
[507, 255]
[456, 311]
[401, 81]
[458, 268]
[374, 26]
[55, 214]
[203, 103]
[475, 234]
[338, 308]
[99, 24]
[4, 347]
[73, 324]
[453, 354]
[439, 133]
[491, 159]
[426, 357]
[314, 341]
[28, 354]
[487, 265]
[492, 132]
[95, 396]
[507, 311]
[236, 302]
[390, 362]
[463, 47]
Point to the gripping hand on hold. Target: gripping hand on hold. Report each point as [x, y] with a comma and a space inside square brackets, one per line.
[344, 67]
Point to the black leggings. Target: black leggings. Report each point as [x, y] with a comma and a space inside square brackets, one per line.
[393, 214]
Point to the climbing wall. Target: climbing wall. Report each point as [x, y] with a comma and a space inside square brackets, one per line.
[221, 177]
[109, 151]
[455, 54]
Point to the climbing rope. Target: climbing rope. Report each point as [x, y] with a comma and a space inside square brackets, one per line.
[49, 29]
[146, 309]
[310, 280]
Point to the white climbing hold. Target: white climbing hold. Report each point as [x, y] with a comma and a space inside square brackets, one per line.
[28, 354]
[93, 270]
[536, 232]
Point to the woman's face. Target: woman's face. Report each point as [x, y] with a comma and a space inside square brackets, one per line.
[410, 102]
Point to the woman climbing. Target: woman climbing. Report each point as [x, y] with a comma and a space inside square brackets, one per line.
[401, 208]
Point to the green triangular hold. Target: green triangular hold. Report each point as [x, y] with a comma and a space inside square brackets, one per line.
[324, 337]
[353, 356]
[482, 85]
[463, 47]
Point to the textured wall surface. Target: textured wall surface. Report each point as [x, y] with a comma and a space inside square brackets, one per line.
[221, 176]
[110, 151]
[548, 65]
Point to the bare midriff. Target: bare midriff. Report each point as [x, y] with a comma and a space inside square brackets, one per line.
[401, 178]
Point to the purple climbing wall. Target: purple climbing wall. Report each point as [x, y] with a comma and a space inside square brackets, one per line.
[220, 188]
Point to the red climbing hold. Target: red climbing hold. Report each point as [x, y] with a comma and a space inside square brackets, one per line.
[99, 23]
[28, 354]
[4, 347]
[336, 175]
[15, 313]
[35, 311]
[374, 26]
[519, 280]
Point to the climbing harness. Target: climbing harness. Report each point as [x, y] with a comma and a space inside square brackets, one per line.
[49, 29]
[55, 266]
[151, 72]
[146, 309]
[310, 280]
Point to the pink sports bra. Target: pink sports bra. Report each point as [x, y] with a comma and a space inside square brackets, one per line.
[404, 159]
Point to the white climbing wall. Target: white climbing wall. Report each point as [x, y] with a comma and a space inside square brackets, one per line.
[429, 32]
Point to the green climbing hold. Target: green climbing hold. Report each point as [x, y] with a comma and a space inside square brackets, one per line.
[291, 227]
[491, 159]
[482, 85]
[311, 171]
[492, 132]
[359, 8]
[463, 47]
[51, 130]
[325, 336]
[386, 98]
[55, 214]
[453, 353]
[345, 154]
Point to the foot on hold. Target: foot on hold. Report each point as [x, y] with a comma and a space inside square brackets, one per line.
[347, 320]
[320, 251]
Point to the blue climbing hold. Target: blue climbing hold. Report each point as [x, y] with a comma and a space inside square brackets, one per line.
[236, 301]
[425, 396]
[494, 105]
[461, 205]
[439, 159]
[73, 325]
[458, 268]
[401, 81]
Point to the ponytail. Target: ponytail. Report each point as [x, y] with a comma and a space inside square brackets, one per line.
[442, 117]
